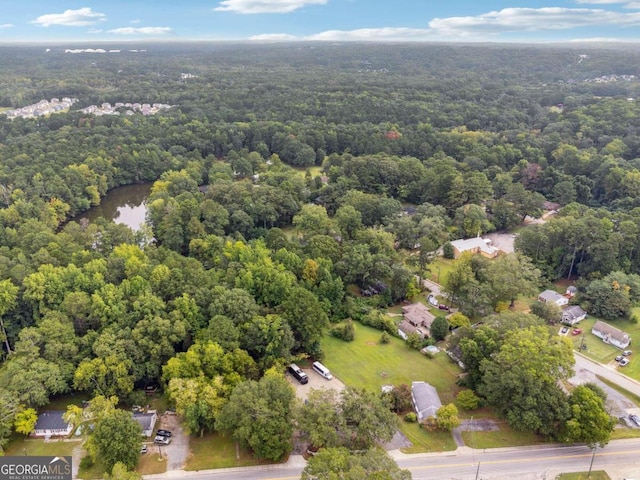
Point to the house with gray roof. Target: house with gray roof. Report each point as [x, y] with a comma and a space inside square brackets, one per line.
[573, 314]
[551, 296]
[425, 400]
[147, 421]
[51, 424]
[611, 335]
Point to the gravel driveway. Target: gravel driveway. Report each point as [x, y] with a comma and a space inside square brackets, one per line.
[315, 381]
[178, 450]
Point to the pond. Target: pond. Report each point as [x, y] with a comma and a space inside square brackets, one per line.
[125, 205]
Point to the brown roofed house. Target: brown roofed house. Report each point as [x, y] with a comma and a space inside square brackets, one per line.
[416, 319]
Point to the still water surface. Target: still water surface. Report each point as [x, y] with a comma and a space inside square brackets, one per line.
[126, 205]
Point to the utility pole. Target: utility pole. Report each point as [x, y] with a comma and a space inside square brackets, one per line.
[595, 447]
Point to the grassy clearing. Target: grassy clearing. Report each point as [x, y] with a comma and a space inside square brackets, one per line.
[598, 475]
[19, 445]
[440, 269]
[96, 470]
[631, 396]
[315, 171]
[505, 437]
[426, 441]
[61, 402]
[216, 450]
[620, 433]
[366, 363]
[151, 463]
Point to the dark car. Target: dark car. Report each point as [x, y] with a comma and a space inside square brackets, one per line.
[442, 306]
[164, 433]
[619, 357]
[564, 330]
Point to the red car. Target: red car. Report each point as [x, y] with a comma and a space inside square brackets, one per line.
[576, 331]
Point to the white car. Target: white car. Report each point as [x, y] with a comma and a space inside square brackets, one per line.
[160, 440]
[624, 362]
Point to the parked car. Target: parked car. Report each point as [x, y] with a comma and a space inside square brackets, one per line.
[619, 357]
[442, 306]
[164, 433]
[626, 353]
[298, 374]
[564, 330]
[160, 440]
[635, 419]
[624, 362]
[144, 449]
[576, 331]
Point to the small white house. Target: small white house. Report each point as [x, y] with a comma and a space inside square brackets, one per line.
[611, 335]
[551, 296]
[147, 422]
[425, 400]
[51, 424]
[572, 315]
[571, 291]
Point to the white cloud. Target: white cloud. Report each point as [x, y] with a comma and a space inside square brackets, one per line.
[625, 3]
[71, 18]
[389, 34]
[530, 20]
[135, 22]
[6, 25]
[265, 6]
[95, 30]
[273, 37]
[603, 40]
[141, 31]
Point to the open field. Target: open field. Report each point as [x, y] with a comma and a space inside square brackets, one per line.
[315, 171]
[19, 445]
[215, 450]
[426, 441]
[151, 463]
[500, 438]
[366, 363]
[599, 475]
[440, 269]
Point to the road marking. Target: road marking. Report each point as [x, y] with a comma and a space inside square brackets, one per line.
[520, 460]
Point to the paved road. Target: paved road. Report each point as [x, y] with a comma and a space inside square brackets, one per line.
[620, 459]
[610, 374]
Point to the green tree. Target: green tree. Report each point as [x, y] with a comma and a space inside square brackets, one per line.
[439, 328]
[548, 311]
[366, 426]
[339, 463]
[8, 296]
[258, 415]
[589, 421]
[510, 276]
[25, 421]
[318, 418]
[117, 439]
[468, 400]
[521, 379]
[307, 319]
[120, 472]
[447, 417]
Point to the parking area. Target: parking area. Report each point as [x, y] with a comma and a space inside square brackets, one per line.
[178, 450]
[315, 381]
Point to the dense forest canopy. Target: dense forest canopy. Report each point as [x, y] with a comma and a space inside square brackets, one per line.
[249, 249]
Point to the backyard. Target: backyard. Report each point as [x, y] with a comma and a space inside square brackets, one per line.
[215, 450]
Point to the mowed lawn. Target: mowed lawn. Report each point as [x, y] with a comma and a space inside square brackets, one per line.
[216, 450]
[605, 353]
[366, 363]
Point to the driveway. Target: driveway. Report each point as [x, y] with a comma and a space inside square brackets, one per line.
[502, 241]
[315, 382]
[617, 404]
[178, 450]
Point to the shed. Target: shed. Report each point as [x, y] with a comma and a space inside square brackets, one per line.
[425, 400]
[611, 335]
[50, 424]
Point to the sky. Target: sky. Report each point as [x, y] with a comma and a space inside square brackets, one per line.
[320, 20]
